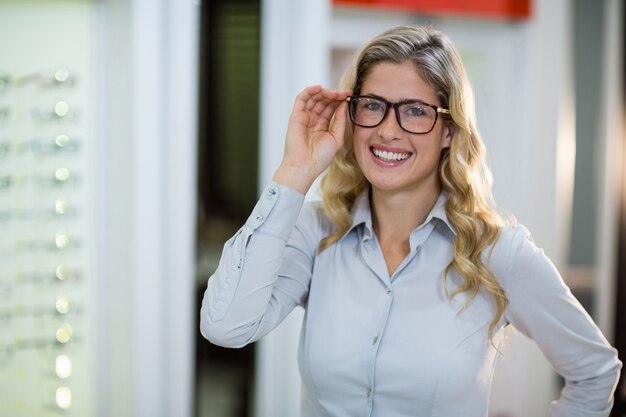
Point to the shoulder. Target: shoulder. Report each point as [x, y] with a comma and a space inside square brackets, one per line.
[312, 223]
[312, 212]
[513, 248]
[512, 237]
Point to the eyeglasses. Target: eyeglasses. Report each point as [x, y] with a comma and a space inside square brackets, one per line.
[414, 116]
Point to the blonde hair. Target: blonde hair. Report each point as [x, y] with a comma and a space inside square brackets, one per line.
[463, 169]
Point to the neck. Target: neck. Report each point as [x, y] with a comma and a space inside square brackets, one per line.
[396, 214]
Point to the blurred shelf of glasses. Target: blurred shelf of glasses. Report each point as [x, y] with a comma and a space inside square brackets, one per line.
[46, 341]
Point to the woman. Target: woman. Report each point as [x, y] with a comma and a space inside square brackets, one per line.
[407, 274]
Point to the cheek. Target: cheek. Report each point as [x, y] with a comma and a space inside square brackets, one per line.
[359, 143]
[430, 144]
[443, 142]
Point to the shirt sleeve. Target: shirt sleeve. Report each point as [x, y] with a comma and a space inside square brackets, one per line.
[264, 271]
[543, 308]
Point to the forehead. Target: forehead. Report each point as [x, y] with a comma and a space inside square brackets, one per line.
[396, 82]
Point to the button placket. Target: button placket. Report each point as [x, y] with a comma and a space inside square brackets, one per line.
[376, 341]
[373, 258]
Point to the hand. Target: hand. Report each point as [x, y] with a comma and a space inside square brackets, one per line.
[311, 141]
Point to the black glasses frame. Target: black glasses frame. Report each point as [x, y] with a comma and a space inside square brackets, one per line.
[389, 105]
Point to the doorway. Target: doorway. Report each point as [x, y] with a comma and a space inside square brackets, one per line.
[228, 134]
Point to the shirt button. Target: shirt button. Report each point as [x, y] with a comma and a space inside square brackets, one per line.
[388, 290]
[374, 340]
[271, 192]
[418, 248]
[368, 392]
[259, 218]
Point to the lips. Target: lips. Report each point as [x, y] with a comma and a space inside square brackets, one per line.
[389, 155]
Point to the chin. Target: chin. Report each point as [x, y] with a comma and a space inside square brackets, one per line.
[384, 185]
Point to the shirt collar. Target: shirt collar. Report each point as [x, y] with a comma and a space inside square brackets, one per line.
[439, 212]
[362, 214]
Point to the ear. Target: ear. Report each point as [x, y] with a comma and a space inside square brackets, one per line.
[449, 129]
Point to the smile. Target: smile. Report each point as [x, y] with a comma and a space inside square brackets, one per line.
[390, 156]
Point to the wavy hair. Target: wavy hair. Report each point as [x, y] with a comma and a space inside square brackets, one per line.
[463, 170]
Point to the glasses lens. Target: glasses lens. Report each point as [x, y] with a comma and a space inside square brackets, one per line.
[417, 117]
[367, 111]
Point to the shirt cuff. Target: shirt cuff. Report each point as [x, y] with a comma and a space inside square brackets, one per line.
[276, 211]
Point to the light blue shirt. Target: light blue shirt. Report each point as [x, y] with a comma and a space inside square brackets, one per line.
[397, 346]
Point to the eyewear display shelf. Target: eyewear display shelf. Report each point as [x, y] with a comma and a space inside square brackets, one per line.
[46, 359]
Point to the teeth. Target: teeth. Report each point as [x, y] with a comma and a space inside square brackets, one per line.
[390, 156]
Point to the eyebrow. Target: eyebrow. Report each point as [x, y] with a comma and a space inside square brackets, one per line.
[404, 101]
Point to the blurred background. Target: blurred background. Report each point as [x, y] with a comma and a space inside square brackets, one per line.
[135, 136]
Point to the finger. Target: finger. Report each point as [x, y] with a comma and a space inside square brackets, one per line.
[326, 106]
[328, 112]
[304, 96]
[338, 127]
[309, 97]
[336, 94]
[313, 102]
[322, 105]
[320, 100]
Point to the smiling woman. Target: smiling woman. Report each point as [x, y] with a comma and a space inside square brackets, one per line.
[408, 275]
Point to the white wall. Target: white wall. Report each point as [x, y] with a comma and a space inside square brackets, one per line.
[146, 210]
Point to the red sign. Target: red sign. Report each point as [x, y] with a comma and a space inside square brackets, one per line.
[499, 9]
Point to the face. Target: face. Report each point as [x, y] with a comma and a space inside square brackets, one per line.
[411, 160]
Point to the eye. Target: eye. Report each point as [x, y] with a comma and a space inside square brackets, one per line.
[415, 110]
[372, 105]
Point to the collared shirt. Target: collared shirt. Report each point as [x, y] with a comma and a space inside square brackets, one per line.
[382, 345]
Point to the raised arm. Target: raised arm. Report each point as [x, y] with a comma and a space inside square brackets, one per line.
[265, 269]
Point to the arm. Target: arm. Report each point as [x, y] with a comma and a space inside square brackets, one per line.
[542, 307]
[265, 268]
[263, 272]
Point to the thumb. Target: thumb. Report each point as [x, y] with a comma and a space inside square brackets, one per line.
[338, 127]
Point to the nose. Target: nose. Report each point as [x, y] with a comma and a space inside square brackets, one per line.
[389, 129]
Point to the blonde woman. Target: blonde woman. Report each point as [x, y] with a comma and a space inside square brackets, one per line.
[407, 274]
